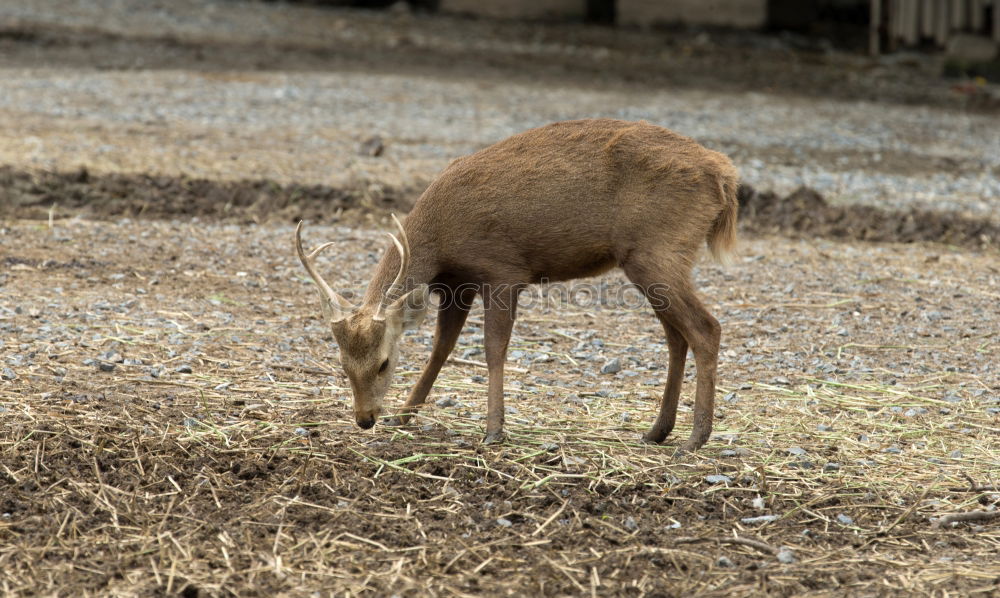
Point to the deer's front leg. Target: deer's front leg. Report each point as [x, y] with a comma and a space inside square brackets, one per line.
[451, 317]
[499, 313]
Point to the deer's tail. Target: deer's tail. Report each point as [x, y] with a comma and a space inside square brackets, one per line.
[722, 236]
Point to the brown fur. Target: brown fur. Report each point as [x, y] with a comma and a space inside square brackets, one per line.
[563, 201]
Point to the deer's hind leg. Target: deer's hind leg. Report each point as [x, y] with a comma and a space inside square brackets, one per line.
[664, 278]
[499, 312]
[667, 416]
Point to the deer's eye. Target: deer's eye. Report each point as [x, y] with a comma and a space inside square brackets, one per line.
[382, 368]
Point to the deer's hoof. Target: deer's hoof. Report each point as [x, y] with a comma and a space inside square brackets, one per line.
[687, 447]
[397, 420]
[495, 438]
[652, 437]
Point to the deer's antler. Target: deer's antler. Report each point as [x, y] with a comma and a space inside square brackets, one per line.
[340, 306]
[398, 284]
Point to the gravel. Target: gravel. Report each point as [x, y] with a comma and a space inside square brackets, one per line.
[718, 479]
[307, 126]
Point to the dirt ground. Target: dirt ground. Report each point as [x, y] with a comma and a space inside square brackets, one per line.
[177, 422]
[174, 421]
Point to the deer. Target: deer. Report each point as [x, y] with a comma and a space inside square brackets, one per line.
[563, 201]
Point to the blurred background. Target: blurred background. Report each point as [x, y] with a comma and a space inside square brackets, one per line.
[865, 102]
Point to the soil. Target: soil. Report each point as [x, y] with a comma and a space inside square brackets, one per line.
[174, 421]
[803, 213]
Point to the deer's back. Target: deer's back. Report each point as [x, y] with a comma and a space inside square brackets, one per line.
[571, 198]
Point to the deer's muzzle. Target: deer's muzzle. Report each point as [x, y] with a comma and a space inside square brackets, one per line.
[366, 420]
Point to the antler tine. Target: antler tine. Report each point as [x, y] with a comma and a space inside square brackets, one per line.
[404, 259]
[404, 265]
[311, 268]
[402, 235]
[397, 282]
[316, 251]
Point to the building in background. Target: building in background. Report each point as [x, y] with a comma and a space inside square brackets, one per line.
[970, 27]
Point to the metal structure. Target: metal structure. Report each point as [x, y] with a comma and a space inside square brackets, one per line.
[901, 23]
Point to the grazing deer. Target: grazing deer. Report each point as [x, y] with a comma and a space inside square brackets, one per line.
[563, 201]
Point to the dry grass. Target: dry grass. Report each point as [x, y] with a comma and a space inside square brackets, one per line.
[246, 477]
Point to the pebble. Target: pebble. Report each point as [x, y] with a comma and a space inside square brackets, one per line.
[372, 147]
[892, 450]
[8, 374]
[844, 519]
[183, 369]
[725, 562]
[914, 411]
[631, 524]
[106, 366]
[503, 522]
[786, 556]
[831, 467]
[113, 357]
[718, 479]
[796, 450]
[301, 432]
[824, 428]
[446, 402]
[612, 367]
[955, 454]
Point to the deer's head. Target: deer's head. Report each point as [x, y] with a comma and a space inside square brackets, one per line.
[368, 336]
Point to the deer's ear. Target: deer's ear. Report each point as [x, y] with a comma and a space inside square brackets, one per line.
[409, 310]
